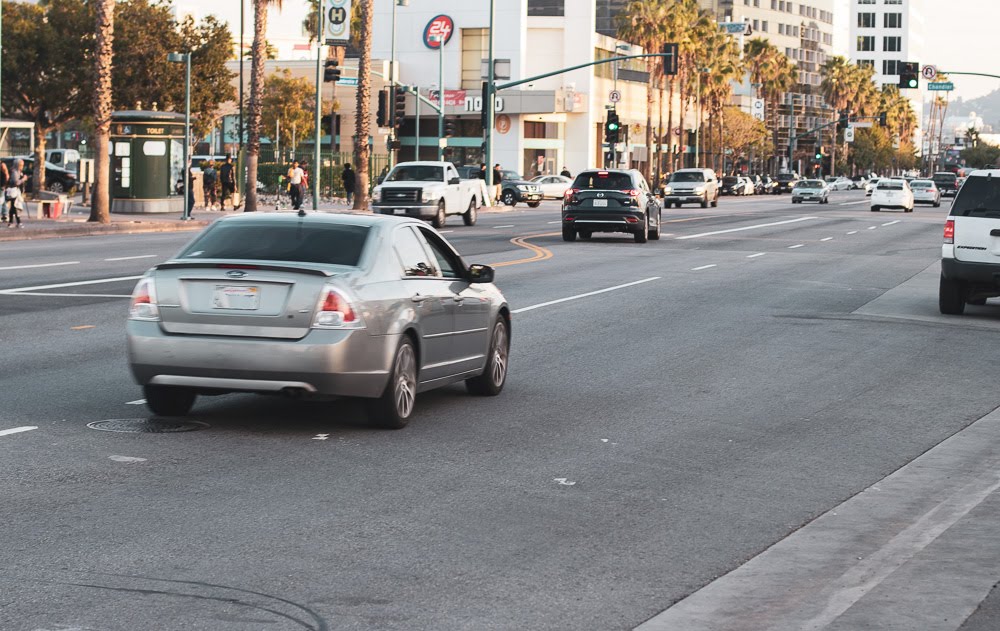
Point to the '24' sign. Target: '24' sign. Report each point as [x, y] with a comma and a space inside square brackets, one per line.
[441, 27]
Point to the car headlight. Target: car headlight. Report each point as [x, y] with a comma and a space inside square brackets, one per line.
[427, 195]
[699, 190]
[522, 187]
[376, 194]
[667, 190]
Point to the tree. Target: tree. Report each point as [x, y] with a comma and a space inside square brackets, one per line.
[981, 155]
[104, 32]
[873, 150]
[772, 71]
[259, 53]
[743, 132]
[42, 54]
[289, 105]
[361, 150]
[641, 24]
[837, 87]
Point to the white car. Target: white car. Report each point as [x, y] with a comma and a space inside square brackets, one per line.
[838, 183]
[870, 186]
[926, 192]
[892, 194]
[970, 257]
[553, 186]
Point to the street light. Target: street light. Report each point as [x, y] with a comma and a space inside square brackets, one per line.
[185, 58]
[392, 59]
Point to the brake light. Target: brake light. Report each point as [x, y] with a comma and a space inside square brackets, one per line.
[631, 192]
[631, 219]
[335, 311]
[568, 218]
[602, 174]
[144, 305]
[949, 231]
[570, 194]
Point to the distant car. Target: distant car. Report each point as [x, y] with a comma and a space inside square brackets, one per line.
[811, 191]
[552, 186]
[68, 159]
[610, 200]
[765, 184]
[785, 182]
[925, 192]
[515, 189]
[947, 182]
[687, 186]
[733, 185]
[57, 179]
[840, 184]
[892, 193]
[468, 172]
[318, 305]
[870, 186]
[858, 181]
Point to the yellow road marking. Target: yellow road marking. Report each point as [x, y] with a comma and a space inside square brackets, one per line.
[540, 253]
[81, 327]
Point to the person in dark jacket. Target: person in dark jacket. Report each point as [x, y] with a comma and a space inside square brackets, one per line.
[565, 173]
[350, 180]
[227, 179]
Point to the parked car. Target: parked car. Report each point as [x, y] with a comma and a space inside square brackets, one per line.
[57, 179]
[731, 185]
[838, 183]
[552, 186]
[468, 172]
[785, 182]
[427, 190]
[765, 184]
[925, 192]
[610, 200]
[687, 186]
[68, 159]
[515, 189]
[892, 193]
[317, 305]
[947, 182]
[858, 182]
[811, 191]
[870, 186]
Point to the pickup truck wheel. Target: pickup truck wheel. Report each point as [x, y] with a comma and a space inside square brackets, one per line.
[469, 216]
[534, 204]
[441, 218]
[951, 297]
[569, 234]
[704, 201]
[508, 198]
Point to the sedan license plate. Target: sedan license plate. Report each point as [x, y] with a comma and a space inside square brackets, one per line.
[600, 203]
[238, 297]
[400, 211]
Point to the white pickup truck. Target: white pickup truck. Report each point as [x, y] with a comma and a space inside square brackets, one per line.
[428, 190]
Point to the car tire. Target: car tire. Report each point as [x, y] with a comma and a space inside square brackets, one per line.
[951, 297]
[490, 383]
[585, 234]
[393, 409]
[508, 198]
[704, 201]
[169, 400]
[795, 201]
[56, 187]
[875, 209]
[441, 218]
[654, 234]
[569, 234]
[642, 235]
[715, 202]
[471, 214]
[534, 204]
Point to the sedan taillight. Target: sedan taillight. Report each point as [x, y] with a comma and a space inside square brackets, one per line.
[335, 311]
[144, 305]
[949, 231]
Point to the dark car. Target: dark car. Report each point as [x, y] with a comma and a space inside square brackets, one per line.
[515, 189]
[468, 172]
[57, 179]
[947, 183]
[785, 182]
[610, 201]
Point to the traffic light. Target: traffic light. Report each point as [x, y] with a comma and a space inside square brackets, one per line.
[909, 75]
[382, 118]
[882, 119]
[844, 121]
[819, 154]
[449, 129]
[398, 106]
[485, 114]
[612, 128]
[331, 71]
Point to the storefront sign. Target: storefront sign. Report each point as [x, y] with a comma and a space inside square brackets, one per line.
[440, 26]
[475, 104]
[503, 124]
[452, 98]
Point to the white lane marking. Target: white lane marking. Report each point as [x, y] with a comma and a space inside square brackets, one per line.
[445, 231]
[589, 293]
[507, 226]
[52, 295]
[126, 459]
[753, 256]
[129, 258]
[698, 269]
[17, 430]
[891, 222]
[136, 402]
[864, 201]
[853, 232]
[78, 283]
[555, 222]
[762, 225]
[39, 265]
[321, 437]
[827, 239]
[800, 245]
[872, 227]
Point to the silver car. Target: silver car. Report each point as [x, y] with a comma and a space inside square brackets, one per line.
[926, 192]
[320, 305]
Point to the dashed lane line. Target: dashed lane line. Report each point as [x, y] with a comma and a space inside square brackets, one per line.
[864, 201]
[17, 430]
[698, 269]
[827, 239]
[853, 232]
[136, 402]
[798, 245]
[131, 258]
[753, 227]
[891, 222]
[37, 265]
[753, 256]
[589, 293]
[872, 227]
[506, 226]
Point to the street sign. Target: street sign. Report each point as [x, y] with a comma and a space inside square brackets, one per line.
[947, 86]
[615, 96]
[849, 134]
[351, 82]
[860, 124]
[757, 109]
[929, 72]
[338, 21]
[736, 28]
[441, 27]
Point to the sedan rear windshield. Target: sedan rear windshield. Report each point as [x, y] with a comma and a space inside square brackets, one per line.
[809, 184]
[328, 244]
[688, 176]
[979, 196]
[950, 178]
[921, 184]
[890, 185]
[603, 181]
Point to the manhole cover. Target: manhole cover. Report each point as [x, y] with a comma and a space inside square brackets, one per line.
[146, 426]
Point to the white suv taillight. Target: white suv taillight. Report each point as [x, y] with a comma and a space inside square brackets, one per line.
[335, 311]
[949, 231]
[144, 305]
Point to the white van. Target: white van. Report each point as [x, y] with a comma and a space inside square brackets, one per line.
[68, 159]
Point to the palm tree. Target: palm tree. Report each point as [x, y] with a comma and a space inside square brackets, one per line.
[837, 87]
[679, 15]
[104, 32]
[361, 150]
[640, 24]
[258, 55]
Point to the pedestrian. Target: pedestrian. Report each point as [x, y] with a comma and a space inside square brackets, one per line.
[565, 173]
[385, 172]
[295, 175]
[13, 194]
[350, 181]
[227, 178]
[4, 178]
[190, 198]
[497, 179]
[209, 178]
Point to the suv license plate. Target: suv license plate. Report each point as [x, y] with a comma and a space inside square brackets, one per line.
[400, 211]
[600, 203]
[240, 297]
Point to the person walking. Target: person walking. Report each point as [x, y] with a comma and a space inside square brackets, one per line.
[190, 199]
[350, 181]
[485, 199]
[13, 193]
[4, 178]
[227, 178]
[209, 178]
[497, 179]
[295, 175]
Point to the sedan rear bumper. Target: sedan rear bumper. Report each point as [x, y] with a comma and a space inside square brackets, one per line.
[334, 362]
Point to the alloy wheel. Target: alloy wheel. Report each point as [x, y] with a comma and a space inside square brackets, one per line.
[405, 380]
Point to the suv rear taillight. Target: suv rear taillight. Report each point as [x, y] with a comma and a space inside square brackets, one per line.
[570, 194]
[335, 311]
[144, 305]
[949, 231]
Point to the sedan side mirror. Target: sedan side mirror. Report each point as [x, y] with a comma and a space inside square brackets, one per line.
[454, 180]
[481, 273]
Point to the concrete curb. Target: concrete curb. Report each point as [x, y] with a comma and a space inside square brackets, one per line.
[90, 230]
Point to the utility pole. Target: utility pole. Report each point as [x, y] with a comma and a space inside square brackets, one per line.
[488, 104]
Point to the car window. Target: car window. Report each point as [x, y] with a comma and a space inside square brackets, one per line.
[445, 259]
[603, 180]
[332, 244]
[688, 176]
[979, 196]
[890, 185]
[415, 173]
[412, 255]
[921, 184]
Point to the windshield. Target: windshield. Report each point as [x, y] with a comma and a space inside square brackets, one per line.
[785, 177]
[330, 244]
[978, 196]
[416, 173]
[730, 180]
[511, 175]
[809, 184]
[688, 176]
[603, 180]
[945, 177]
[890, 185]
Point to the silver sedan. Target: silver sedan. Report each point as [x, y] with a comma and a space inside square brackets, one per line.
[317, 305]
[553, 186]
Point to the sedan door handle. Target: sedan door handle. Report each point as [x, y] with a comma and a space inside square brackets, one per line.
[458, 299]
[418, 298]
[995, 233]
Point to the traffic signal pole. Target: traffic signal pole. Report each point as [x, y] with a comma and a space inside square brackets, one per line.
[319, 107]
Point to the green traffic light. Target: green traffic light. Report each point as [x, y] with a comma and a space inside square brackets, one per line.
[913, 83]
[613, 126]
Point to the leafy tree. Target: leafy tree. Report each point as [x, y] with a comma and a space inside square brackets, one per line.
[288, 101]
[743, 132]
[775, 74]
[981, 155]
[872, 150]
[642, 23]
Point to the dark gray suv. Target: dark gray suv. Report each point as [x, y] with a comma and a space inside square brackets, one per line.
[610, 201]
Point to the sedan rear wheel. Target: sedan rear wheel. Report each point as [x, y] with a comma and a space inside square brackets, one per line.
[490, 383]
[393, 409]
[169, 400]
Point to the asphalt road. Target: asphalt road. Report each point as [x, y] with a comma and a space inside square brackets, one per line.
[709, 395]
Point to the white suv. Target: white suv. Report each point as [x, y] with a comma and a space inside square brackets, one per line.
[687, 186]
[970, 256]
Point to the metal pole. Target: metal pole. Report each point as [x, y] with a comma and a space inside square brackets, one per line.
[441, 96]
[392, 81]
[697, 124]
[242, 57]
[416, 151]
[319, 105]
[488, 103]
[187, 135]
